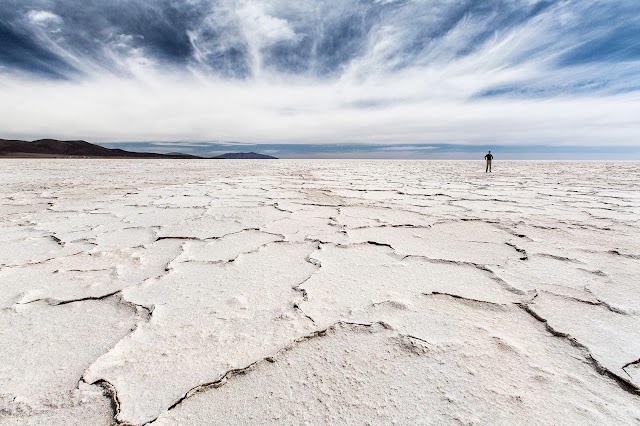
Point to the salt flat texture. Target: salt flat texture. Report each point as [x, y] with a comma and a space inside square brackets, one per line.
[319, 292]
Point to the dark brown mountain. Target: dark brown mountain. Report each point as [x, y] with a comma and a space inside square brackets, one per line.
[51, 148]
[245, 156]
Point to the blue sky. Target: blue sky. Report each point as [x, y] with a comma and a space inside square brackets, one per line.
[388, 73]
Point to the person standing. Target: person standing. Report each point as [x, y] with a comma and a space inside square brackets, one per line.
[488, 157]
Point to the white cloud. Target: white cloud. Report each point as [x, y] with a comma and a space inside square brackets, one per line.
[260, 27]
[407, 148]
[163, 108]
[43, 17]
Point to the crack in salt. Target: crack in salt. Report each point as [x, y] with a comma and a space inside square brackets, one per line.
[522, 251]
[270, 359]
[625, 384]
[629, 364]
[457, 296]
[508, 287]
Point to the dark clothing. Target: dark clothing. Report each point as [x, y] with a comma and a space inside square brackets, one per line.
[488, 157]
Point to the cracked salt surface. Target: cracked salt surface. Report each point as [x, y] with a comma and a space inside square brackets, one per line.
[334, 292]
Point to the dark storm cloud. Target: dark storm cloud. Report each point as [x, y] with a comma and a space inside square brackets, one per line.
[210, 36]
[85, 28]
[331, 34]
[20, 51]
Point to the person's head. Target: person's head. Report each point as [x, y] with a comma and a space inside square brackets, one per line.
[489, 152]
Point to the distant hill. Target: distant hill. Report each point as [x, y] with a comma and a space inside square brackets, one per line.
[245, 156]
[51, 148]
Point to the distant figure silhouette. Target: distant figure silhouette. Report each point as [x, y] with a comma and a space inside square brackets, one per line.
[488, 157]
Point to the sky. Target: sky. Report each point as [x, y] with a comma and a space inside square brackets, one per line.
[373, 78]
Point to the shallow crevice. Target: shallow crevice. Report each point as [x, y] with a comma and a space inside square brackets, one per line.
[556, 257]
[375, 243]
[277, 207]
[629, 364]
[270, 359]
[146, 311]
[324, 205]
[623, 382]
[299, 309]
[628, 256]
[302, 291]
[598, 302]
[388, 225]
[234, 259]
[457, 296]
[208, 239]
[57, 240]
[58, 302]
[179, 238]
[601, 302]
[111, 393]
[58, 271]
[469, 219]
[522, 251]
[508, 287]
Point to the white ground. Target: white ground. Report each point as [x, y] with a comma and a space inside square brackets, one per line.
[326, 292]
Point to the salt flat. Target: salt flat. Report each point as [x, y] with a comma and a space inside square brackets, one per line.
[319, 292]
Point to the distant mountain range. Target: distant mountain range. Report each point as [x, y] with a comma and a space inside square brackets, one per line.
[51, 148]
[245, 156]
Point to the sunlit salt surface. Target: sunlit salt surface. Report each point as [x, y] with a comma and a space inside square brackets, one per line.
[319, 292]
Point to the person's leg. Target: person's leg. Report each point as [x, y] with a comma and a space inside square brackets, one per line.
[488, 164]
